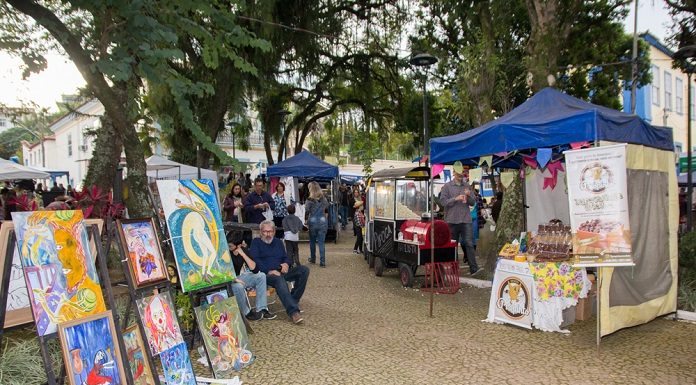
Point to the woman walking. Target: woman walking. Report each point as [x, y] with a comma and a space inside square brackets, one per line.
[318, 225]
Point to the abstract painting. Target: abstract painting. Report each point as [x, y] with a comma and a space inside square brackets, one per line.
[216, 296]
[90, 351]
[139, 240]
[18, 309]
[59, 270]
[159, 319]
[135, 351]
[224, 336]
[177, 366]
[196, 232]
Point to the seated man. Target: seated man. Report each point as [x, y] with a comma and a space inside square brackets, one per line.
[253, 279]
[270, 256]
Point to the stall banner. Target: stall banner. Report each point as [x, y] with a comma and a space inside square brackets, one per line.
[511, 295]
[598, 200]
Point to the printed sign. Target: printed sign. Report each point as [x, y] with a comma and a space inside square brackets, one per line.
[511, 297]
[383, 238]
[598, 200]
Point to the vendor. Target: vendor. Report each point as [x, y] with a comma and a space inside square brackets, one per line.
[257, 202]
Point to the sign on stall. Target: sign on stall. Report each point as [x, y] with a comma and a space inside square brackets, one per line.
[598, 203]
[511, 295]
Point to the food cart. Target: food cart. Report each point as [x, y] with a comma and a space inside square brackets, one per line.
[398, 225]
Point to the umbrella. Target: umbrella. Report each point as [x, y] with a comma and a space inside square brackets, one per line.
[10, 170]
[156, 163]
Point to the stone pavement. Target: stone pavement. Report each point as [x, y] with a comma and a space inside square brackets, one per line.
[362, 329]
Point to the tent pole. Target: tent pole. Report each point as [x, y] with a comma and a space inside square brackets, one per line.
[432, 243]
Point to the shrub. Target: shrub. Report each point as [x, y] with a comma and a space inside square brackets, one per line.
[687, 251]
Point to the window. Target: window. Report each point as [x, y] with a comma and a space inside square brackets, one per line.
[668, 91]
[69, 145]
[655, 85]
[3, 123]
[679, 96]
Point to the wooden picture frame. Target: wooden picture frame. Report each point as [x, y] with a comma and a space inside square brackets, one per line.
[22, 315]
[91, 350]
[133, 243]
[134, 344]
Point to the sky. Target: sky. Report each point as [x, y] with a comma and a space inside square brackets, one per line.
[61, 76]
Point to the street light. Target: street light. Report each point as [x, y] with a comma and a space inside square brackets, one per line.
[684, 54]
[40, 137]
[424, 60]
[283, 113]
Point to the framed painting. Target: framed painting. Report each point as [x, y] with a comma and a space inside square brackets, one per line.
[135, 352]
[224, 336]
[159, 320]
[145, 261]
[195, 228]
[90, 351]
[177, 366]
[216, 296]
[59, 271]
[18, 309]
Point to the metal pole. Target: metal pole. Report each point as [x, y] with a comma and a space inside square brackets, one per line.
[426, 129]
[634, 59]
[689, 188]
[43, 151]
[432, 244]
[198, 161]
[234, 153]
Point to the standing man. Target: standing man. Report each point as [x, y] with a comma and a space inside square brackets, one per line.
[269, 254]
[256, 202]
[345, 196]
[457, 196]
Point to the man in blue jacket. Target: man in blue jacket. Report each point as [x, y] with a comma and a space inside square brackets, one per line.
[269, 254]
[256, 202]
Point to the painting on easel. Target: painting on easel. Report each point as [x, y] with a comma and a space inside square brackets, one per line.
[59, 270]
[140, 241]
[177, 366]
[195, 228]
[18, 309]
[159, 320]
[225, 337]
[90, 351]
[135, 351]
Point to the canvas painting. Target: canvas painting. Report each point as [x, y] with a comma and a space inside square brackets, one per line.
[225, 337]
[195, 228]
[135, 351]
[216, 296]
[139, 240]
[90, 351]
[18, 310]
[59, 270]
[159, 319]
[177, 366]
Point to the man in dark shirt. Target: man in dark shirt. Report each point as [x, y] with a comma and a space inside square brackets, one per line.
[256, 202]
[270, 257]
[251, 278]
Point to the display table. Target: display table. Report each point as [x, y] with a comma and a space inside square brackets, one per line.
[535, 294]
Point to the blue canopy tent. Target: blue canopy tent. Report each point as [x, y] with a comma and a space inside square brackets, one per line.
[304, 165]
[552, 119]
[549, 118]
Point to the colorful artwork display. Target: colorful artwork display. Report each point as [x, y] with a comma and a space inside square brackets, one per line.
[177, 366]
[195, 227]
[18, 310]
[135, 351]
[91, 352]
[161, 327]
[61, 279]
[139, 240]
[216, 296]
[225, 337]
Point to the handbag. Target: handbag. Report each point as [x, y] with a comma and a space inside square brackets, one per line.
[268, 214]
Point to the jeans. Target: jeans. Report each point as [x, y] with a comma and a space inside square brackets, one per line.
[251, 281]
[464, 234]
[290, 299]
[293, 252]
[317, 235]
[344, 215]
[357, 230]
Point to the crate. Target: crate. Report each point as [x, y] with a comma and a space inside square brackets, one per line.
[446, 279]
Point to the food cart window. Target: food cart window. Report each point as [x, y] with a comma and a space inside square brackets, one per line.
[384, 199]
[411, 199]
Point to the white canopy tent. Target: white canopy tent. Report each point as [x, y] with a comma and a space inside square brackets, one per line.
[10, 170]
[159, 167]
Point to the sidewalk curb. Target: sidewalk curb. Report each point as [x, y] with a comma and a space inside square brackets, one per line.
[686, 315]
[480, 283]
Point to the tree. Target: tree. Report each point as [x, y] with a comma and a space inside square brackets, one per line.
[684, 18]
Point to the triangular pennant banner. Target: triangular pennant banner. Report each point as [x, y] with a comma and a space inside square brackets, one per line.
[501, 154]
[543, 156]
[488, 160]
[437, 169]
[577, 145]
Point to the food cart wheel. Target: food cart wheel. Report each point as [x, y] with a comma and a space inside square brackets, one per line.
[406, 274]
[370, 260]
[379, 266]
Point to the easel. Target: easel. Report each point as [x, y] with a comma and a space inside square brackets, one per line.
[100, 262]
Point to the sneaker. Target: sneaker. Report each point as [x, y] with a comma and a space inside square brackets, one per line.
[477, 272]
[296, 318]
[322, 265]
[312, 261]
[356, 252]
[267, 314]
[253, 315]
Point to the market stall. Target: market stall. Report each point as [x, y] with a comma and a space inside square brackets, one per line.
[534, 136]
[305, 167]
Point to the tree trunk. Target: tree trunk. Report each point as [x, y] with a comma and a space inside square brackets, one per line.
[138, 201]
[105, 156]
[511, 221]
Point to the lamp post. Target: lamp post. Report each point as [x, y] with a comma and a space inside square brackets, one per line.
[684, 54]
[283, 113]
[424, 60]
[40, 137]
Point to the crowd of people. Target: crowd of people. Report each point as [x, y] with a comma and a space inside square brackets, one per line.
[23, 194]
